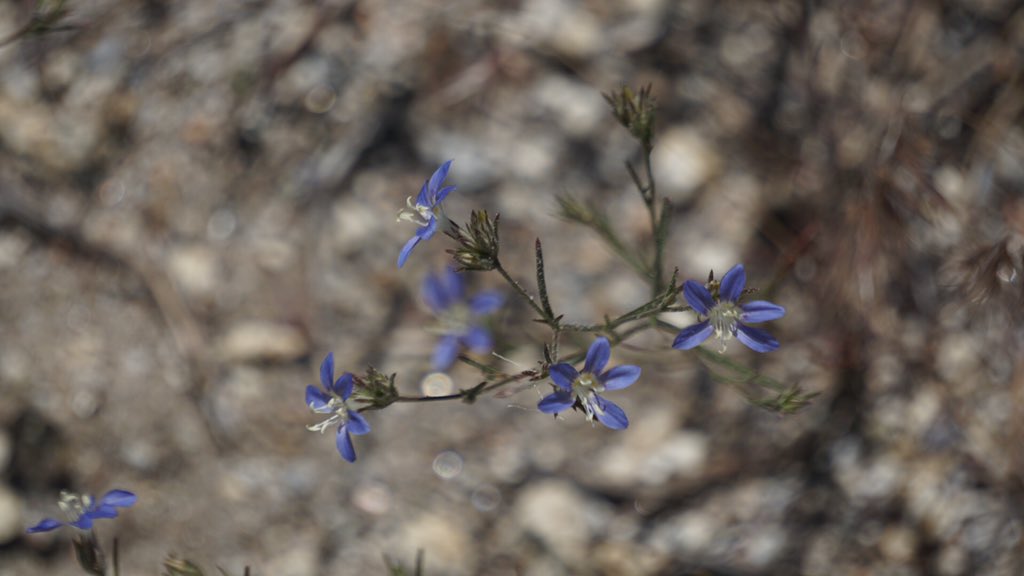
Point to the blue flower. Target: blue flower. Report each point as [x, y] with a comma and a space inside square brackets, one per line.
[726, 317]
[460, 319]
[583, 387]
[81, 510]
[422, 212]
[333, 400]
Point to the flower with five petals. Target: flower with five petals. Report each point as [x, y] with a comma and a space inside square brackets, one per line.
[333, 400]
[422, 212]
[582, 388]
[725, 317]
[460, 317]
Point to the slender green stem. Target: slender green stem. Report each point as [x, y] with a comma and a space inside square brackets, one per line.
[461, 394]
[619, 338]
[649, 193]
[574, 211]
[741, 373]
[490, 371]
[526, 295]
[651, 189]
[475, 391]
[533, 374]
[662, 302]
[609, 325]
[650, 196]
[774, 396]
[620, 249]
[666, 327]
[556, 333]
[615, 338]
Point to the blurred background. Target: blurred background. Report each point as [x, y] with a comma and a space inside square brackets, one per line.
[198, 200]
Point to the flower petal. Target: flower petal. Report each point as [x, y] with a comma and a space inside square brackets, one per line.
[732, 283]
[317, 400]
[454, 286]
[327, 371]
[119, 498]
[563, 375]
[343, 386]
[761, 311]
[357, 424]
[442, 194]
[423, 198]
[436, 179]
[478, 339]
[610, 414]
[756, 339]
[693, 336]
[620, 377]
[445, 353]
[486, 302]
[344, 445]
[427, 230]
[45, 525]
[407, 249]
[83, 523]
[556, 402]
[698, 297]
[597, 356]
[102, 511]
[434, 294]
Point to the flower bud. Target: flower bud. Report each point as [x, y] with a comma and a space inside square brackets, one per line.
[478, 242]
[376, 388]
[635, 111]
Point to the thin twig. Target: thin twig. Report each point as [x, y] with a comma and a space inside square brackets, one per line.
[550, 320]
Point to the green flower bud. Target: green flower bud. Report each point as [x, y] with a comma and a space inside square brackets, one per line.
[478, 242]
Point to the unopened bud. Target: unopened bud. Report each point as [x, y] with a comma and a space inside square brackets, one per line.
[635, 111]
[478, 242]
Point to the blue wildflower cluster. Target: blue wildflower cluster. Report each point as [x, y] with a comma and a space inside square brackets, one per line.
[465, 319]
[463, 330]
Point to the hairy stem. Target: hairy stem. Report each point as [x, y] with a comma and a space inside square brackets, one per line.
[549, 320]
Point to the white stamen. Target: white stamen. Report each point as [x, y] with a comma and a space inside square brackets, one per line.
[416, 213]
[73, 505]
[724, 317]
[339, 415]
[586, 388]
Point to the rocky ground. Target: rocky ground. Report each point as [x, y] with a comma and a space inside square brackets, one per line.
[198, 199]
